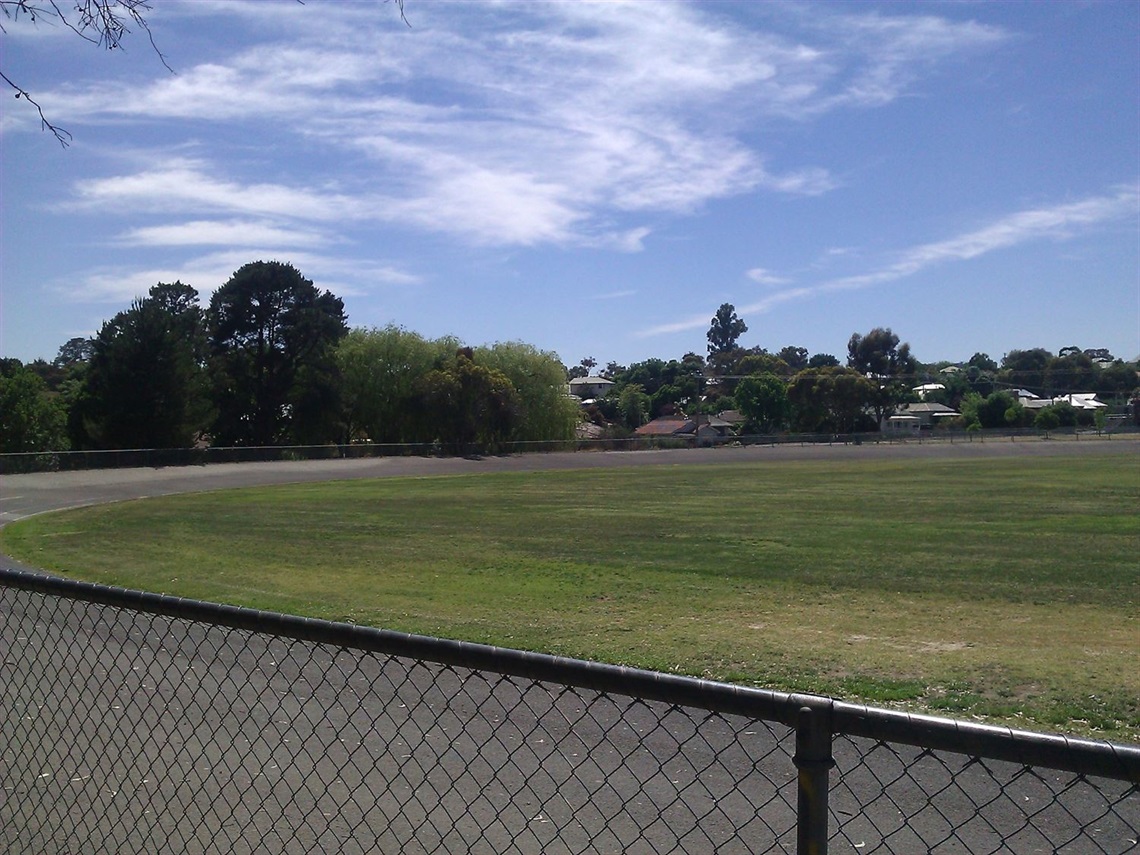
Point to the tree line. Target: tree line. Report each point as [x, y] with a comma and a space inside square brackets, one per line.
[790, 390]
[271, 361]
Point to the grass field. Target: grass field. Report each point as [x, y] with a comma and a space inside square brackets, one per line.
[1007, 589]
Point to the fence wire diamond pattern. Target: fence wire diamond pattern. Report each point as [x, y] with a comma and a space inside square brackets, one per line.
[128, 730]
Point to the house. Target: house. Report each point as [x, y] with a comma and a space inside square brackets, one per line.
[708, 429]
[926, 388]
[1081, 401]
[677, 425]
[1078, 400]
[590, 388]
[911, 418]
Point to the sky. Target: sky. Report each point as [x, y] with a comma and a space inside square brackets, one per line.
[594, 179]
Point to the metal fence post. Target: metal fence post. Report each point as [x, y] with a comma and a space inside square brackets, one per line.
[813, 760]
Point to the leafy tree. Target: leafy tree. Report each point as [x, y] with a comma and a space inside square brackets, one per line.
[74, 351]
[469, 404]
[991, 410]
[879, 356]
[1066, 413]
[830, 399]
[633, 406]
[649, 374]
[380, 370]
[823, 360]
[666, 400]
[31, 417]
[1072, 372]
[763, 401]
[725, 329]
[1016, 416]
[666, 383]
[145, 385]
[545, 411]
[763, 363]
[982, 362]
[979, 380]
[1117, 379]
[796, 358]
[1100, 419]
[1026, 369]
[272, 337]
[1046, 419]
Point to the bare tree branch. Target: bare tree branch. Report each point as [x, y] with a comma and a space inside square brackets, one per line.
[102, 22]
[59, 133]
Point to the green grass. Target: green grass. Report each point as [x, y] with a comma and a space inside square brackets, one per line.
[1007, 590]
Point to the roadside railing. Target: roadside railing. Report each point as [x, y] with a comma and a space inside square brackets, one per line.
[133, 722]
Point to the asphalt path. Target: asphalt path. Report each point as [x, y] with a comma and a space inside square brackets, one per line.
[24, 495]
[130, 733]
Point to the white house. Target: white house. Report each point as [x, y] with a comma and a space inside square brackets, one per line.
[589, 388]
[911, 418]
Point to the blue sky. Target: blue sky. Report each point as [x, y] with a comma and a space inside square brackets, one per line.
[594, 178]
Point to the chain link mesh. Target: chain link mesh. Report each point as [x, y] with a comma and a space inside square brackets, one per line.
[127, 732]
[898, 798]
[124, 731]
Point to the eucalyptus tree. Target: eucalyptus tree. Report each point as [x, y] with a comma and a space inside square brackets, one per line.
[887, 364]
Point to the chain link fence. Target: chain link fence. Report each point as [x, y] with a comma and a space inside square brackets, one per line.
[141, 723]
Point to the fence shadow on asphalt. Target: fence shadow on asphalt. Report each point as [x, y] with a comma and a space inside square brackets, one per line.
[137, 722]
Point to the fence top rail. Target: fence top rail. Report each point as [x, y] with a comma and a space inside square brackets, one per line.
[1082, 756]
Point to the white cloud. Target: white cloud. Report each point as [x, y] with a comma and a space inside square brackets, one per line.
[180, 185]
[1057, 222]
[628, 241]
[615, 295]
[344, 276]
[765, 277]
[222, 233]
[517, 124]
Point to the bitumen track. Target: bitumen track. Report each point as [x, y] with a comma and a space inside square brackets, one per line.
[162, 735]
[24, 495]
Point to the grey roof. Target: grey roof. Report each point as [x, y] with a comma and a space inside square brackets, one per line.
[925, 407]
[591, 381]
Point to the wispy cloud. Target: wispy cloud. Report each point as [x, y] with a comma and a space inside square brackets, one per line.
[1062, 221]
[223, 233]
[346, 277]
[615, 295]
[183, 184]
[545, 127]
[1057, 222]
[765, 277]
